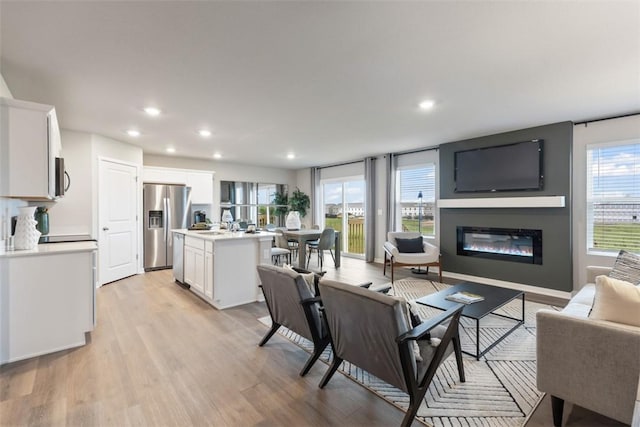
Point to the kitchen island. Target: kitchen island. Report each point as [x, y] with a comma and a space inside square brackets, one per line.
[220, 266]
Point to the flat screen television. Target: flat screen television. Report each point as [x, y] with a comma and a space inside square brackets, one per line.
[510, 167]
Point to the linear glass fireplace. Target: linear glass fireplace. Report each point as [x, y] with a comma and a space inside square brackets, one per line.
[507, 244]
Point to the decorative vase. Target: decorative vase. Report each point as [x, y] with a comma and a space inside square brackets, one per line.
[26, 235]
[293, 220]
[42, 216]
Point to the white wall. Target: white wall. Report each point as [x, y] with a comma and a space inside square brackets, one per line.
[622, 129]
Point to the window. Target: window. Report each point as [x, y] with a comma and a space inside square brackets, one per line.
[613, 197]
[417, 214]
[344, 211]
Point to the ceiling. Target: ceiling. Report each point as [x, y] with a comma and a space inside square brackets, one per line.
[329, 81]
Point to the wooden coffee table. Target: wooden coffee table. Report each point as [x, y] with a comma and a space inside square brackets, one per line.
[494, 298]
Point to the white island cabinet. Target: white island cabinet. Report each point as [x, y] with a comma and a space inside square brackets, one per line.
[221, 267]
[47, 299]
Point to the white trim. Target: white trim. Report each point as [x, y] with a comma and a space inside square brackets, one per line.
[511, 285]
[504, 202]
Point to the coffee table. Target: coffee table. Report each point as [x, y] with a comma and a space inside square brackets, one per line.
[494, 298]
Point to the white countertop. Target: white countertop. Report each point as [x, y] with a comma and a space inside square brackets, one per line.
[225, 235]
[53, 248]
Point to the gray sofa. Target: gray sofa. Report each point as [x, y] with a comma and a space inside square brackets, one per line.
[591, 363]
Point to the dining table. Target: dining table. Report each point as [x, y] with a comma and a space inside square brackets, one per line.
[303, 236]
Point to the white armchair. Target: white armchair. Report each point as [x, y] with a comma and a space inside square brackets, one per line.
[392, 256]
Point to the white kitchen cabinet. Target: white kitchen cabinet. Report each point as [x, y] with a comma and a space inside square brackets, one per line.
[29, 144]
[194, 263]
[157, 175]
[48, 299]
[208, 270]
[201, 184]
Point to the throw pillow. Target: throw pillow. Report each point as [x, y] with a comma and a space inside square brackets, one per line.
[627, 267]
[309, 278]
[616, 301]
[410, 246]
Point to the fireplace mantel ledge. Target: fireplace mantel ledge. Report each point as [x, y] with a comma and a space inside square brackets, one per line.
[504, 202]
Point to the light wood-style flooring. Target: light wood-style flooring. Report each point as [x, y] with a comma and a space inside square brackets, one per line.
[161, 356]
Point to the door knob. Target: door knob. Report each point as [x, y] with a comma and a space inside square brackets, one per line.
[105, 228]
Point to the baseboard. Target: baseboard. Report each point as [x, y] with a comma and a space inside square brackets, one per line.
[511, 285]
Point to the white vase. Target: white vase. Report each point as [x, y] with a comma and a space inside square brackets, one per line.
[26, 235]
[293, 220]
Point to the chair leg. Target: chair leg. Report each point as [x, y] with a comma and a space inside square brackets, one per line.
[414, 405]
[458, 351]
[384, 266]
[557, 406]
[332, 370]
[391, 270]
[269, 334]
[317, 352]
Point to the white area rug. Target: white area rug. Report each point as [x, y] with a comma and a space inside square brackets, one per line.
[500, 388]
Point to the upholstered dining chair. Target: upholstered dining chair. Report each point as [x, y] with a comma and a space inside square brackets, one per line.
[325, 242]
[363, 323]
[410, 249]
[292, 304]
[281, 248]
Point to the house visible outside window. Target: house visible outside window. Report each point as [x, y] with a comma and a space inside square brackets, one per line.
[613, 197]
[266, 211]
[415, 214]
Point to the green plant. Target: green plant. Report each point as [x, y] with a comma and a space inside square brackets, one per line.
[300, 202]
[281, 200]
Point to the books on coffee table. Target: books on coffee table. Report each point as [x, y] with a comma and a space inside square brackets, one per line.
[464, 297]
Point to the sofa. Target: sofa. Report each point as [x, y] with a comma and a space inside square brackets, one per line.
[591, 363]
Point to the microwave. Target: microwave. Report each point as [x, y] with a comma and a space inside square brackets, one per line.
[60, 185]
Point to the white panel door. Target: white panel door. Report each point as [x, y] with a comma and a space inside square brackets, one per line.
[117, 200]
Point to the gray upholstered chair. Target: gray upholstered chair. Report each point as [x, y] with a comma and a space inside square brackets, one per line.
[281, 248]
[392, 255]
[292, 304]
[325, 242]
[372, 331]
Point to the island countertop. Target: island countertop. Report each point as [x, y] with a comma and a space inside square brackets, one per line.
[224, 235]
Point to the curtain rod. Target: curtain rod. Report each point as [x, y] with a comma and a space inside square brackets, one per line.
[341, 164]
[586, 122]
[420, 150]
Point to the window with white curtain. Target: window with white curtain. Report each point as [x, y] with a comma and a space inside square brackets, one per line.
[613, 197]
[415, 213]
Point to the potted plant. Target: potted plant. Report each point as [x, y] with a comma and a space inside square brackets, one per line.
[299, 202]
[281, 200]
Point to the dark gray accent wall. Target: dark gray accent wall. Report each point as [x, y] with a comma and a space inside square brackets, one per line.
[555, 223]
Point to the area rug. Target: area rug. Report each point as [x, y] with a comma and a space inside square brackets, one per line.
[500, 388]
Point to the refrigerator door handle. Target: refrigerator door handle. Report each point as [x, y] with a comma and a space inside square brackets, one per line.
[167, 220]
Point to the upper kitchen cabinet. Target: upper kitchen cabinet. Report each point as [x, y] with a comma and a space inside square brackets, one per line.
[201, 182]
[29, 145]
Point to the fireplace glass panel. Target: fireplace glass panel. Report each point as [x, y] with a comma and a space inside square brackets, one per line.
[517, 245]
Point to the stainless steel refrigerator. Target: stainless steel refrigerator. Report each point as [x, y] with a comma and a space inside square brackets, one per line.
[166, 207]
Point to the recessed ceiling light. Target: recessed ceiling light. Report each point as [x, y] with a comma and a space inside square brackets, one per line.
[217, 155]
[205, 133]
[291, 156]
[152, 111]
[171, 150]
[427, 104]
[133, 132]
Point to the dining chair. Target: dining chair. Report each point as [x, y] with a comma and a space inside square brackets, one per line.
[326, 242]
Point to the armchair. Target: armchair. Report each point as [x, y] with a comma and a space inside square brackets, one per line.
[372, 331]
[292, 304]
[392, 255]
